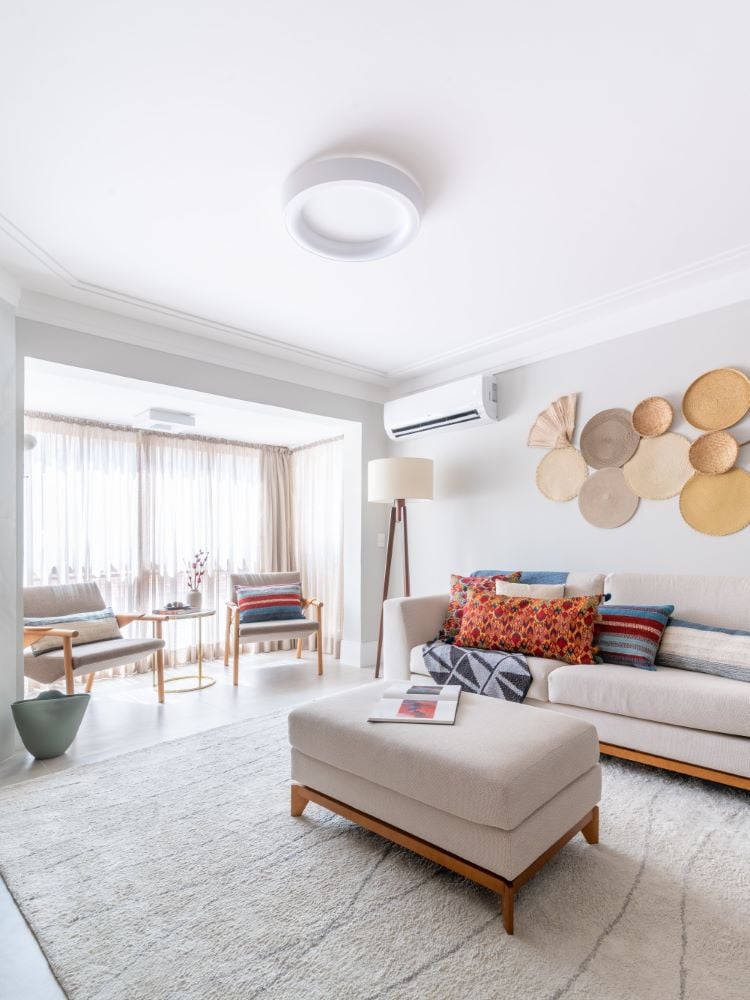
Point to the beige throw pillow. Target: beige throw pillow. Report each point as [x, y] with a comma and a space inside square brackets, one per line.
[545, 591]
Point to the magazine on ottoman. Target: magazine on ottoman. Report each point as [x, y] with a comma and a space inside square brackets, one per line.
[434, 704]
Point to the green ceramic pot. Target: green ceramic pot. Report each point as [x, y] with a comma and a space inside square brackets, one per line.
[48, 724]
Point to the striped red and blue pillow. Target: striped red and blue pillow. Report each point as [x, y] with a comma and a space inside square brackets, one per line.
[279, 602]
[630, 634]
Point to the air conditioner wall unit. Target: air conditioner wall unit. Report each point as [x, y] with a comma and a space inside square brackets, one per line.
[470, 400]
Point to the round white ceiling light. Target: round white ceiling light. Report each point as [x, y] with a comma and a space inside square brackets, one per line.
[352, 208]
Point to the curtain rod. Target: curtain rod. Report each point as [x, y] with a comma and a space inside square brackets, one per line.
[127, 428]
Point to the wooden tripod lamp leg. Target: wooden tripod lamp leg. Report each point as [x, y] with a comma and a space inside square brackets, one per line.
[386, 583]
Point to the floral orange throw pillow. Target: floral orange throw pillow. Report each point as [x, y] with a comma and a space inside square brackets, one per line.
[460, 586]
[560, 629]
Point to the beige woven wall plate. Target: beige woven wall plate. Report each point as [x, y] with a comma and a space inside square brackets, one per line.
[717, 399]
[606, 500]
[653, 416]
[608, 439]
[561, 473]
[714, 453]
[660, 467]
[717, 505]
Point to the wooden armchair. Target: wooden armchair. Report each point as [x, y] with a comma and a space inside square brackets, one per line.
[298, 629]
[86, 659]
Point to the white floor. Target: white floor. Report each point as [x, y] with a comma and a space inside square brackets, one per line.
[124, 715]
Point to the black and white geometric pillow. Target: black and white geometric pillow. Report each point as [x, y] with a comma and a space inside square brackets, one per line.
[481, 671]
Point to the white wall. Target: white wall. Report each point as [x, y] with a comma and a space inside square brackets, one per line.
[363, 560]
[9, 576]
[488, 512]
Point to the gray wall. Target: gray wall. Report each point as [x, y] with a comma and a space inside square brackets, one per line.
[52, 343]
[9, 569]
[488, 512]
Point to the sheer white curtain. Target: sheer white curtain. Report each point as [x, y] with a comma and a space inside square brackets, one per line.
[127, 508]
[81, 508]
[318, 520]
[198, 494]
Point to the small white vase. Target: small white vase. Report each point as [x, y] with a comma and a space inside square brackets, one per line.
[194, 599]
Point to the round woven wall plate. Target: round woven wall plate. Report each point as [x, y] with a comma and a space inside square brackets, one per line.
[714, 453]
[606, 500]
[608, 439]
[660, 467]
[653, 416]
[717, 399]
[717, 505]
[561, 474]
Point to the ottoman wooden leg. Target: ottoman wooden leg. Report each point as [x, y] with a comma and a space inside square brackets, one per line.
[508, 899]
[591, 830]
[298, 801]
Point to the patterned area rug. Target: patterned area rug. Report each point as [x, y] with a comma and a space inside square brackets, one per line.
[177, 872]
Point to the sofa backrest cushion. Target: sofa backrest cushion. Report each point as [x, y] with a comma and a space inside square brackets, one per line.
[576, 584]
[710, 600]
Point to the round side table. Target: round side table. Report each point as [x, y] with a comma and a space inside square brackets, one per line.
[203, 680]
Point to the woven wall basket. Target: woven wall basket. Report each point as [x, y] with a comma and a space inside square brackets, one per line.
[561, 474]
[717, 399]
[608, 439]
[606, 500]
[717, 505]
[714, 453]
[653, 416]
[660, 467]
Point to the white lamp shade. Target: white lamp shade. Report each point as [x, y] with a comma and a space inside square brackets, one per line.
[390, 479]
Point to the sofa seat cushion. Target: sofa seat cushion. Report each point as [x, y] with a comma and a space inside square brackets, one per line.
[50, 667]
[675, 697]
[540, 671]
[293, 629]
[496, 765]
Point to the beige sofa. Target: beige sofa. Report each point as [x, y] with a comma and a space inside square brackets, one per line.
[676, 719]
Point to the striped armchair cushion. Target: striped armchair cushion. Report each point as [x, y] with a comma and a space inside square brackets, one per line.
[280, 602]
[92, 626]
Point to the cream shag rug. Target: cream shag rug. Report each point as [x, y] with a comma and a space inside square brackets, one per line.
[177, 872]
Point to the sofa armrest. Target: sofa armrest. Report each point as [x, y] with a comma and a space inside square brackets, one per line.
[407, 622]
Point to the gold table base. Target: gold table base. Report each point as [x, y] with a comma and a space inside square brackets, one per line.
[204, 681]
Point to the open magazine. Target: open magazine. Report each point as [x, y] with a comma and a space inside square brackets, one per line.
[427, 703]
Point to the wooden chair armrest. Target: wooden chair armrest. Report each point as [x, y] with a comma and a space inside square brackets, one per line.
[312, 602]
[127, 617]
[155, 618]
[33, 632]
[232, 605]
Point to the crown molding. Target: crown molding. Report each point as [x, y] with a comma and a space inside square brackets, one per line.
[191, 322]
[702, 287]
[65, 313]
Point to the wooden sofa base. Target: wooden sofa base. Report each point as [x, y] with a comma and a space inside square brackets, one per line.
[506, 888]
[668, 764]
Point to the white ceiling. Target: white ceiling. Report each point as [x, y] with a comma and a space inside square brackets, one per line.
[78, 392]
[578, 160]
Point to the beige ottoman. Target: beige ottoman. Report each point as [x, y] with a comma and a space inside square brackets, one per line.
[492, 797]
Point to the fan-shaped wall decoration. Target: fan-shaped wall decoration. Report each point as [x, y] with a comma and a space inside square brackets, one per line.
[554, 426]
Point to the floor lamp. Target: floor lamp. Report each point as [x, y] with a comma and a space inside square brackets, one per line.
[394, 481]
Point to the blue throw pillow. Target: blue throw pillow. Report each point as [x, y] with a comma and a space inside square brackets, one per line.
[630, 633]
